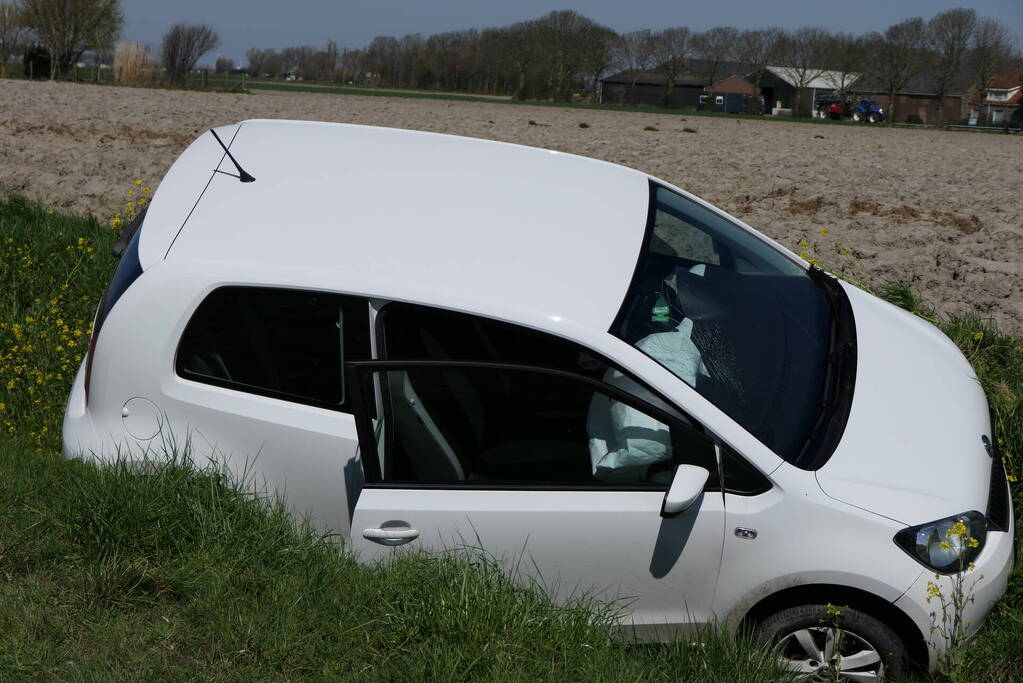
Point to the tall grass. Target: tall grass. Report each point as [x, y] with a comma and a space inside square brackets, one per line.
[132, 64]
[173, 574]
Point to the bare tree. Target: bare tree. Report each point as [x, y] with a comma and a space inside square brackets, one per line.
[67, 28]
[565, 36]
[895, 57]
[520, 44]
[757, 48]
[597, 44]
[714, 47]
[224, 65]
[352, 62]
[671, 48]
[183, 45]
[844, 58]
[633, 52]
[12, 28]
[991, 51]
[948, 38]
[803, 54]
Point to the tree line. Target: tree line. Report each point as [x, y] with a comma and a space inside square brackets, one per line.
[564, 54]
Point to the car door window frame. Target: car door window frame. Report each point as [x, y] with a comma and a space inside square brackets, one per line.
[361, 386]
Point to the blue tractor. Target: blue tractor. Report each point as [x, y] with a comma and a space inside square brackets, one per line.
[866, 110]
[838, 109]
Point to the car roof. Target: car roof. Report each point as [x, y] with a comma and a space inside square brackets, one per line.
[409, 215]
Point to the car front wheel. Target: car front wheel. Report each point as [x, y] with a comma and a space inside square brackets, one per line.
[826, 643]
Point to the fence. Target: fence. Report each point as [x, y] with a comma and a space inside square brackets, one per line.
[197, 80]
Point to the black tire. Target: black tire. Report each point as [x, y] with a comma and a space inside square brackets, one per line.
[874, 117]
[856, 115]
[857, 631]
[823, 112]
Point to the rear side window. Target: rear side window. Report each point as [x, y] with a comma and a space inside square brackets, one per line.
[286, 344]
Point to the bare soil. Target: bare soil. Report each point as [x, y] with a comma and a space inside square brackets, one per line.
[940, 210]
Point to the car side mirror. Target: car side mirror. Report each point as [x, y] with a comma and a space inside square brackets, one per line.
[686, 487]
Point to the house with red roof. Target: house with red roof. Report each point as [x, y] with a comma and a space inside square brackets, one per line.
[999, 101]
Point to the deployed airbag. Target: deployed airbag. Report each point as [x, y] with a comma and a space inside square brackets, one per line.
[625, 442]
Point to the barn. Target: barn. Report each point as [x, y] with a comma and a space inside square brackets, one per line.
[648, 88]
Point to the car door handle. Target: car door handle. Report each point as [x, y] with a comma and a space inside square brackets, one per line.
[390, 536]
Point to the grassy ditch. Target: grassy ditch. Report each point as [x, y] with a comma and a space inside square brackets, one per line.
[108, 573]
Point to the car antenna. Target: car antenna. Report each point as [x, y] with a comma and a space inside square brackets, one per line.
[242, 175]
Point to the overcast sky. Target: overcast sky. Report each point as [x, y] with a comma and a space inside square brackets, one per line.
[243, 24]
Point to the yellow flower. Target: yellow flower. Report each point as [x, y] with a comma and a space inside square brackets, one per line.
[138, 182]
[824, 232]
[977, 336]
[946, 546]
[958, 529]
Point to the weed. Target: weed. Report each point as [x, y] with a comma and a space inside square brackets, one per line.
[902, 295]
[653, 128]
[584, 125]
[810, 207]
[857, 206]
[688, 130]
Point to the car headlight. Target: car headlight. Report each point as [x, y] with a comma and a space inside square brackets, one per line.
[948, 545]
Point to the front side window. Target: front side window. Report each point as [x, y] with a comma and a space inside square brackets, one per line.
[286, 344]
[471, 401]
[732, 317]
[493, 426]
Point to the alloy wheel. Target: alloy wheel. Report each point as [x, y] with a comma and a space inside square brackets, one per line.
[827, 653]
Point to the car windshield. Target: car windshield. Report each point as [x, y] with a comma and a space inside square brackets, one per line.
[731, 316]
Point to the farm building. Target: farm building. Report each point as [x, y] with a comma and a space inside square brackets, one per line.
[735, 83]
[647, 87]
[917, 101]
[780, 87]
[732, 95]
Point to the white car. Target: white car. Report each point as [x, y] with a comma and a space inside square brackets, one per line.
[431, 341]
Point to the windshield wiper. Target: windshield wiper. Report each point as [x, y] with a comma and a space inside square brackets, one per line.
[839, 376]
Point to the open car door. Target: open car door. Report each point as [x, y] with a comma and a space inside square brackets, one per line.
[560, 477]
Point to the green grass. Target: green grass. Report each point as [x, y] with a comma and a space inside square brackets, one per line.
[112, 574]
[108, 573]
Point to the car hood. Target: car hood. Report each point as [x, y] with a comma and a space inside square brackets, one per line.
[912, 448]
